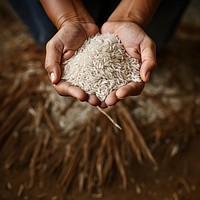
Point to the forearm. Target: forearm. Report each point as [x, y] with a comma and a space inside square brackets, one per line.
[61, 11]
[138, 11]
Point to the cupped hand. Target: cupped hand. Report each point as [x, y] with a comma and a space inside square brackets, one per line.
[138, 45]
[61, 47]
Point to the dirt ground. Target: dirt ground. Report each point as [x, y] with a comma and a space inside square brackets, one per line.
[175, 147]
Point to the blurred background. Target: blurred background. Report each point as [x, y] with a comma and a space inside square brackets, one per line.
[37, 127]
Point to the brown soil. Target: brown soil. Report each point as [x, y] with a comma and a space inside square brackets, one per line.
[175, 142]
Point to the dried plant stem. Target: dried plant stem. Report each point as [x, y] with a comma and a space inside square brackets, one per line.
[119, 163]
[49, 121]
[132, 128]
[85, 160]
[100, 159]
[109, 118]
[33, 161]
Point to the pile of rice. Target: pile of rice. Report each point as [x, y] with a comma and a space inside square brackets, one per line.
[101, 65]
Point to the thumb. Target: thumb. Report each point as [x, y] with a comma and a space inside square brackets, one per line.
[148, 57]
[53, 60]
[107, 27]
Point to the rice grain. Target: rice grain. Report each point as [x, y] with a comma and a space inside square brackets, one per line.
[101, 65]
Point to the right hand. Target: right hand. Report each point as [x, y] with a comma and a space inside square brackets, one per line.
[61, 47]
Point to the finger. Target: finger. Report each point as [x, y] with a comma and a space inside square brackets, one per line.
[133, 52]
[131, 89]
[67, 55]
[107, 28]
[111, 99]
[93, 100]
[66, 89]
[53, 60]
[148, 56]
[103, 105]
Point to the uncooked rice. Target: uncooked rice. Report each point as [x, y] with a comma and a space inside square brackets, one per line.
[101, 65]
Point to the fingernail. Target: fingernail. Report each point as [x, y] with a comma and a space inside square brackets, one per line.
[52, 77]
[147, 76]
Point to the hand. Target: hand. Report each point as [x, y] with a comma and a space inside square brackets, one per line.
[138, 45]
[61, 47]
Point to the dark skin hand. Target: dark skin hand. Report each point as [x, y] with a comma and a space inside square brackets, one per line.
[75, 25]
[138, 45]
[71, 36]
[61, 47]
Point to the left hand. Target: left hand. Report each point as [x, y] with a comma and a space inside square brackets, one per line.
[61, 47]
[138, 45]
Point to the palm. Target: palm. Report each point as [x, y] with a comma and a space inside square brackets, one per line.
[71, 36]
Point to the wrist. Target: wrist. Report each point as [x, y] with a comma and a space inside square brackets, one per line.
[72, 17]
[62, 11]
[137, 11]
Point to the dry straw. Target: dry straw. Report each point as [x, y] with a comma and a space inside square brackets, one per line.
[101, 65]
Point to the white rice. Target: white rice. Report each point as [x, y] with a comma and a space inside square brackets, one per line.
[101, 65]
